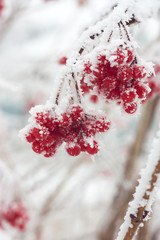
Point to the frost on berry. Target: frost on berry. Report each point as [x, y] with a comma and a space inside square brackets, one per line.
[117, 75]
[49, 129]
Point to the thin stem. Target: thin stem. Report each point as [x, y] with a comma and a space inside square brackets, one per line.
[125, 31]
[142, 212]
[77, 88]
[59, 91]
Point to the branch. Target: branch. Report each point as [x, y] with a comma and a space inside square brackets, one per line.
[140, 207]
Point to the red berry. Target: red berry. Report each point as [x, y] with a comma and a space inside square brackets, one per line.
[37, 147]
[120, 56]
[94, 98]
[36, 133]
[50, 151]
[130, 107]
[85, 88]
[128, 96]
[139, 72]
[109, 83]
[62, 60]
[102, 125]
[73, 149]
[76, 113]
[89, 128]
[130, 56]
[125, 73]
[87, 68]
[92, 148]
[141, 91]
[29, 137]
[82, 144]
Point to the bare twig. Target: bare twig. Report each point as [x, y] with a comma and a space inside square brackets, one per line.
[143, 233]
[142, 211]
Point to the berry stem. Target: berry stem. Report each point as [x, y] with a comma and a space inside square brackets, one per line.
[110, 36]
[77, 88]
[127, 34]
[59, 91]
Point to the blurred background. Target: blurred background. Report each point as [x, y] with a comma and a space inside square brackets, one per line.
[67, 198]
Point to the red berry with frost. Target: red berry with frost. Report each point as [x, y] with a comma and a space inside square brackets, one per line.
[125, 73]
[139, 72]
[81, 142]
[109, 83]
[29, 137]
[73, 149]
[141, 91]
[130, 56]
[36, 146]
[120, 56]
[50, 151]
[87, 68]
[102, 125]
[130, 107]
[92, 148]
[128, 96]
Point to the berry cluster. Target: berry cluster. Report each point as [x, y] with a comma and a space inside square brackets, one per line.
[74, 127]
[117, 77]
[16, 216]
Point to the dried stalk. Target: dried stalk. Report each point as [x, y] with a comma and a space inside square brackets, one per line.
[143, 233]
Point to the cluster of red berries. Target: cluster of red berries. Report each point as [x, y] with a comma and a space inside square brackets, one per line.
[15, 215]
[74, 127]
[117, 77]
[154, 82]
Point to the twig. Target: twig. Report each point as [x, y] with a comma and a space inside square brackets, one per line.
[139, 209]
[143, 233]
